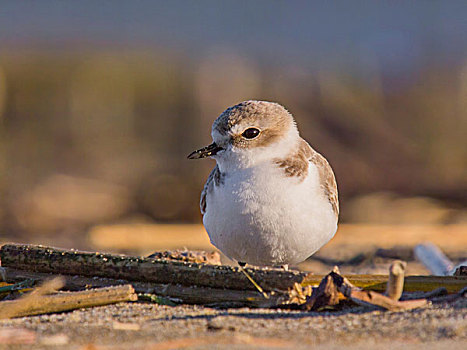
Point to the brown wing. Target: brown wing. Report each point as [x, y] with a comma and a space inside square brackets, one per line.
[214, 179]
[296, 165]
[327, 179]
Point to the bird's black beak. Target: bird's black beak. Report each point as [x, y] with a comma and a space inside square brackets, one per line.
[204, 152]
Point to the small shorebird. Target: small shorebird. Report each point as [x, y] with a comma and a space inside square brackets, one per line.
[271, 199]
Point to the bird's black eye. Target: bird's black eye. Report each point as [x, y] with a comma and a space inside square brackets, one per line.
[250, 133]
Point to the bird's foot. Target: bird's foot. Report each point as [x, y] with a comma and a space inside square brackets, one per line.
[257, 286]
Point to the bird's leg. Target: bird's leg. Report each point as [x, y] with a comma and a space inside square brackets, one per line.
[285, 267]
[241, 266]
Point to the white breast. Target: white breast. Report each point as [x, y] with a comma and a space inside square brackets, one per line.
[260, 216]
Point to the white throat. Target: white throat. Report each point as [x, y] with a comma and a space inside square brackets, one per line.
[234, 158]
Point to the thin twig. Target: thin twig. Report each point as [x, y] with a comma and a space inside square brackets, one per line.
[395, 285]
[36, 303]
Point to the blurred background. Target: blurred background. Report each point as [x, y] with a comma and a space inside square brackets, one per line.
[100, 102]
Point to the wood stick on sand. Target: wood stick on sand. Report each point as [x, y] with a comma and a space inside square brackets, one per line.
[38, 302]
[61, 261]
[374, 299]
[327, 294]
[176, 292]
[395, 285]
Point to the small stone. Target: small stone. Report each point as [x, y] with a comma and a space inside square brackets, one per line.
[215, 324]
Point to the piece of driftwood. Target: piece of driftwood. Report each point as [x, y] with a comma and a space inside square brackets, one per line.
[38, 302]
[327, 294]
[333, 284]
[450, 298]
[395, 285]
[378, 283]
[9, 309]
[178, 293]
[425, 295]
[194, 256]
[59, 261]
[372, 298]
[369, 297]
[70, 262]
[434, 259]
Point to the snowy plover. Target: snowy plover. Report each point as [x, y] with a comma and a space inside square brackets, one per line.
[271, 199]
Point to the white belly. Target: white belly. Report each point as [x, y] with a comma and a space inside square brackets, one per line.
[261, 217]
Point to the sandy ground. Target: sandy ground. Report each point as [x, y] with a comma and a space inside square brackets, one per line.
[151, 326]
